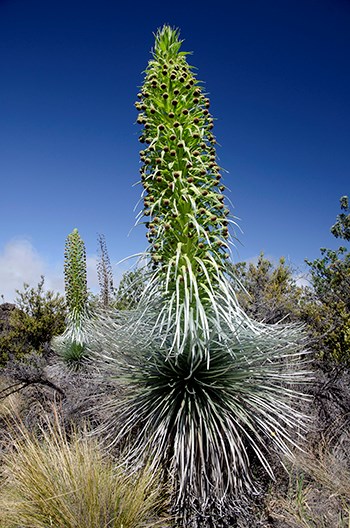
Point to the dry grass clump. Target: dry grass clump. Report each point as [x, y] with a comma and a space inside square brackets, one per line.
[70, 483]
[318, 494]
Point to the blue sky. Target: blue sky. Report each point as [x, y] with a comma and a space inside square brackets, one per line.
[278, 76]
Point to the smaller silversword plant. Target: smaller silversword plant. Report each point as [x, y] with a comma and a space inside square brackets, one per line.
[71, 345]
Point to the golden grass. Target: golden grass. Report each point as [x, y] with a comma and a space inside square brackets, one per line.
[70, 483]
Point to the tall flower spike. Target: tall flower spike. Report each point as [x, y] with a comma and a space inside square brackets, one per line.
[104, 273]
[75, 276]
[184, 205]
[71, 345]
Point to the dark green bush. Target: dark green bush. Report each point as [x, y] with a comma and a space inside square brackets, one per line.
[329, 313]
[269, 292]
[38, 316]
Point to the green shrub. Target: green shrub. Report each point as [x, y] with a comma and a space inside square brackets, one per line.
[328, 312]
[38, 316]
[270, 292]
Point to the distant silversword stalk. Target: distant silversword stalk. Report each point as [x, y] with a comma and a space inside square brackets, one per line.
[104, 273]
[71, 345]
[75, 276]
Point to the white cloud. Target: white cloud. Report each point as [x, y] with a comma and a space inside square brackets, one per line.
[20, 262]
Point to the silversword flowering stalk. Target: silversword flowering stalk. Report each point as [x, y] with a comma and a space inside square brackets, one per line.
[184, 209]
[75, 275]
[207, 389]
[71, 345]
[105, 274]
